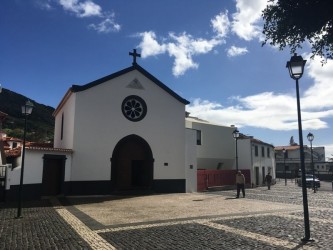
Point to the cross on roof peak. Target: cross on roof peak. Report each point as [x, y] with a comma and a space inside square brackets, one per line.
[134, 54]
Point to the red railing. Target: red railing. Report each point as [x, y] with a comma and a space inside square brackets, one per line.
[213, 178]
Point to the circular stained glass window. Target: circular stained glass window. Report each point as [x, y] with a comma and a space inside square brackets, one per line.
[134, 108]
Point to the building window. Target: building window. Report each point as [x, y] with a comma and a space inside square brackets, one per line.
[62, 126]
[268, 152]
[256, 150]
[262, 151]
[285, 154]
[198, 137]
[134, 108]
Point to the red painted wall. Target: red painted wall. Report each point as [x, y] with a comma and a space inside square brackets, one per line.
[212, 178]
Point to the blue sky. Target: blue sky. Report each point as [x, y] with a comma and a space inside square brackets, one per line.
[209, 52]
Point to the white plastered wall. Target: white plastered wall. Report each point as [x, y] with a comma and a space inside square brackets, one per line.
[191, 161]
[67, 114]
[33, 168]
[217, 150]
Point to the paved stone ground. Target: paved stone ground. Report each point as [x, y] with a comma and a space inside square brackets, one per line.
[265, 219]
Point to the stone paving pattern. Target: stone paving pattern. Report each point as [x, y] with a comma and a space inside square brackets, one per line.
[40, 228]
[265, 219]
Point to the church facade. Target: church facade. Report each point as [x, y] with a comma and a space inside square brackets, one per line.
[127, 132]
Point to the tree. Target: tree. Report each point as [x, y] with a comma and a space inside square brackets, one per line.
[289, 23]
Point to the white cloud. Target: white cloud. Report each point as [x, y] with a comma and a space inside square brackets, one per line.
[88, 8]
[183, 58]
[221, 24]
[246, 20]
[320, 95]
[182, 47]
[149, 45]
[236, 51]
[81, 9]
[276, 111]
[107, 25]
[44, 4]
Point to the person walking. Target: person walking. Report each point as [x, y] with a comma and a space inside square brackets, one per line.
[268, 180]
[240, 183]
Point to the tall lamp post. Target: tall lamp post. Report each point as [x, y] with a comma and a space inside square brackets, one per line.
[296, 69]
[310, 137]
[235, 134]
[26, 110]
[284, 163]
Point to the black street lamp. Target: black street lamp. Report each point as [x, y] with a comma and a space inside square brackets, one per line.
[235, 134]
[26, 110]
[310, 137]
[296, 69]
[284, 163]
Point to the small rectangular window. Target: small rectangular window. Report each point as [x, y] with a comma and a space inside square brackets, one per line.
[62, 127]
[262, 151]
[198, 137]
[268, 152]
[256, 150]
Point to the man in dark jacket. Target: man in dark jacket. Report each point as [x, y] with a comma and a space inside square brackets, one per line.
[268, 180]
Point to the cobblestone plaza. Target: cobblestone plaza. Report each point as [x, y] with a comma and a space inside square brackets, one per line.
[265, 219]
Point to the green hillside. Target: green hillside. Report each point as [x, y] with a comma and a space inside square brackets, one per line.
[40, 123]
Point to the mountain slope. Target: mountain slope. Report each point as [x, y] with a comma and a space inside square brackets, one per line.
[40, 124]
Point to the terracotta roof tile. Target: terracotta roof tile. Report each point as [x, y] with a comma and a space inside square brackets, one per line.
[294, 147]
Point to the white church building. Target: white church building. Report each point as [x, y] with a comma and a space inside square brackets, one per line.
[126, 131]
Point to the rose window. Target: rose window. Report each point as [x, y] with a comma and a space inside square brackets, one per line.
[134, 108]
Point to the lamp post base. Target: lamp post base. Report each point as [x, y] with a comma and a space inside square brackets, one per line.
[305, 240]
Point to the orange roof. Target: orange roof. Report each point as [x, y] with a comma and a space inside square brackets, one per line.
[294, 147]
[11, 139]
[16, 152]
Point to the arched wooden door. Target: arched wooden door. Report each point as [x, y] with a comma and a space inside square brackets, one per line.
[132, 164]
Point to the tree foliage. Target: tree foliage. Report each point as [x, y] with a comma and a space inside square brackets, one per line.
[289, 23]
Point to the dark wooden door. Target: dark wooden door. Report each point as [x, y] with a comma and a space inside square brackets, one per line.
[132, 164]
[52, 177]
[3, 171]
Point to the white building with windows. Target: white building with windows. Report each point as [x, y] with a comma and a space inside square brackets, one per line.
[216, 150]
[288, 160]
[258, 156]
[215, 144]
